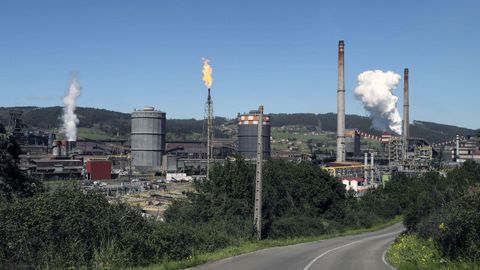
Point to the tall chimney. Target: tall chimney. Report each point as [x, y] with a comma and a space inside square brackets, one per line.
[406, 112]
[341, 105]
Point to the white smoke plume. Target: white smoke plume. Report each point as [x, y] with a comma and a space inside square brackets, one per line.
[70, 119]
[375, 91]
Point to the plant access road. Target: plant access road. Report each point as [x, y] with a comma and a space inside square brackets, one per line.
[362, 251]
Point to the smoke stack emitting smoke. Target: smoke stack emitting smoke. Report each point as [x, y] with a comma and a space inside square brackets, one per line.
[375, 91]
[70, 119]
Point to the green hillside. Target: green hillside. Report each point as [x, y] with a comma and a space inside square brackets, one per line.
[432, 132]
[104, 124]
[96, 123]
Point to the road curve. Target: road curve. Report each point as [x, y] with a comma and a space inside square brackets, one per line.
[362, 251]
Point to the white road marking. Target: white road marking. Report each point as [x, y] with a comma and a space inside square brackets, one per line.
[346, 245]
[385, 261]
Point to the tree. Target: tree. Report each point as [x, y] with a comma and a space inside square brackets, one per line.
[13, 183]
[289, 190]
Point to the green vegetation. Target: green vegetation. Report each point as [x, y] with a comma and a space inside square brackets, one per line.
[112, 123]
[279, 146]
[104, 124]
[13, 183]
[411, 252]
[371, 144]
[303, 139]
[442, 215]
[66, 227]
[251, 246]
[303, 135]
[94, 134]
[432, 132]
[171, 136]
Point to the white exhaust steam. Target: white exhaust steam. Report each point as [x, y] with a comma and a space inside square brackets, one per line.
[374, 90]
[70, 119]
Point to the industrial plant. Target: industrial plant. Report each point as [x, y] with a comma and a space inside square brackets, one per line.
[398, 153]
[146, 159]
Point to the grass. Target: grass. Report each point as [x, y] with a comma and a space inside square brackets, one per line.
[301, 136]
[93, 134]
[251, 246]
[57, 184]
[279, 146]
[327, 139]
[411, 252]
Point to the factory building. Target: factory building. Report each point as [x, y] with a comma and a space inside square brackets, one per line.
[423, 155]
[352, 143]
[148, 139]
[63, 148]
[248, 133]
[57, 169]
[392, 147]
[345, 169]
[288, 155]
[98, 169]
[466, 149]
[191, 155]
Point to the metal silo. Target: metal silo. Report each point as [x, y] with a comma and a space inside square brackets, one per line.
[148, 139]
[247, 135]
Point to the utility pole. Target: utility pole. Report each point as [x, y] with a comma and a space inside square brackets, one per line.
[258, 176]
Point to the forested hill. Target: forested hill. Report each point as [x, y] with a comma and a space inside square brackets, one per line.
[110, 122]
[432, 132]
[325, 122]
[113, 122]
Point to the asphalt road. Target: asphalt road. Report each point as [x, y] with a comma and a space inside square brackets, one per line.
[362, 251]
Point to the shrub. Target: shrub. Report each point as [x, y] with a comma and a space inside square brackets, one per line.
[458, 227]
[299, 226]
[64, 229]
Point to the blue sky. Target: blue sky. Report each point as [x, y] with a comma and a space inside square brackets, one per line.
[282, 54]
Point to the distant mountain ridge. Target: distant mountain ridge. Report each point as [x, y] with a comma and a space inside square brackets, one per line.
[113, 122]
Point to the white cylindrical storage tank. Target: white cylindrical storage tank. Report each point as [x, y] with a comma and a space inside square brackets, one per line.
[148, 139]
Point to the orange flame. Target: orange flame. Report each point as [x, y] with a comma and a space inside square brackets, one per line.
[207, 73]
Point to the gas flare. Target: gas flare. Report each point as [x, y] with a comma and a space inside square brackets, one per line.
[207, 73]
